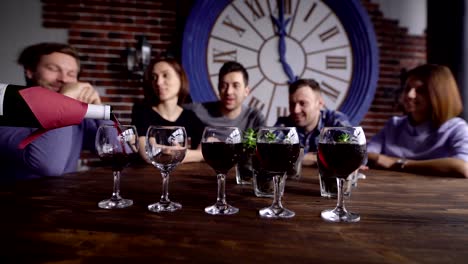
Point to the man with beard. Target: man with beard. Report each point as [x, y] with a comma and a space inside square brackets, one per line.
[53, 66]
[307, 114]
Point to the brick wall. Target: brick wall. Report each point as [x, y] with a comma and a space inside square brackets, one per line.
[102, 29]
[398, 51]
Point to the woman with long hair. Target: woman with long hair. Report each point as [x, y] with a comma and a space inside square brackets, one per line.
[166, 87]
[430, 138]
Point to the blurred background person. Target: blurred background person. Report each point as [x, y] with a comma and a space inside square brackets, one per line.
[166, 88]
[56, 67]
[430, 138]
[308, 114]
[230, 109]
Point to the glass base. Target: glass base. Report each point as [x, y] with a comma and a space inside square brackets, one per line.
[224, 209]
[270, 212]
[164, 207]
[332, 215]
[113, 204]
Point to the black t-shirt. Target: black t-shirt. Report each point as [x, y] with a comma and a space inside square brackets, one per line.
[144, 116]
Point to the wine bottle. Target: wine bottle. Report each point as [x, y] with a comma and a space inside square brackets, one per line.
[42, 108]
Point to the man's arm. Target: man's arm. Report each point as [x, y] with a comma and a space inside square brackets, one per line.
[81, 91]
[46, 156]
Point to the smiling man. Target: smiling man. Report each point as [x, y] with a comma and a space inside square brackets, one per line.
[54, 66]
[230, 110]
[308, 115]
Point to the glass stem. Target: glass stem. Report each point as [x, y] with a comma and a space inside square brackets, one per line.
[221, 199]
[165, 188]
[116, 191]
[278, 187]
[341, 186]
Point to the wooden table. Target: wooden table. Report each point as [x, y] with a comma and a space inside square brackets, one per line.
[404, 219]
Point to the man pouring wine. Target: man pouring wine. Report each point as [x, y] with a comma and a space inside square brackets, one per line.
[56, 67]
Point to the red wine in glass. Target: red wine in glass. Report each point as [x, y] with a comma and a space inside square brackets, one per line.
[339, 160]
[278, 150]
[277, 157]
[341, 151]
[115, 146]
[116, 161]
[221, 147]
[221, 156]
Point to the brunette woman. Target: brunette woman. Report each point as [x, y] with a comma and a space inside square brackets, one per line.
[430, 138]
[166, 88]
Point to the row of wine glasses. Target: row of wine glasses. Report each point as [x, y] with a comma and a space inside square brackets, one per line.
[341, 151]
[165, 146]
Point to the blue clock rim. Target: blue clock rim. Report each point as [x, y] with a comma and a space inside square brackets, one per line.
[355, 20]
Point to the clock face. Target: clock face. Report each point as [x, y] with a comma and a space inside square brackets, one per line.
[278, 42]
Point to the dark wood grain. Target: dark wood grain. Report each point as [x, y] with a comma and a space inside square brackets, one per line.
[404, 219]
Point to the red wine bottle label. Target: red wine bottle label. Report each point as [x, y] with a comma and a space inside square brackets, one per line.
[44, 109]
[59, 111]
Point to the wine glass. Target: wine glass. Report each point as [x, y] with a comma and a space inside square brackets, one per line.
[341, 151]
[278, 150]
[165, 147]
[221, 147]
[115, 144]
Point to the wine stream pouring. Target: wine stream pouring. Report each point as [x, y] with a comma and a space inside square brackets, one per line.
[44, 109]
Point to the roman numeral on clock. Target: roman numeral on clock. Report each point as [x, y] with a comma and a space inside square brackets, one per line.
[220, 56]
[329, 91]
[326, 35]
[256, 8]
[281, 111]
[228, 22]
[336, 62]
[311, 10]
[287, 7]
[256, 103]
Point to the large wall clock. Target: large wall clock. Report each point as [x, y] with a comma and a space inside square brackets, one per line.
[278, 41]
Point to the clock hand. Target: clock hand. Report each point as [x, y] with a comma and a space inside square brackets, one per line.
[281, 25]
[286, 67]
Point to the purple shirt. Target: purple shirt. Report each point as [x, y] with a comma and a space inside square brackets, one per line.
[52, 154]
[401, 139]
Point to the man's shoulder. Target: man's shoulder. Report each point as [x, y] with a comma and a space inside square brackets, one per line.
[250, 111]
[334, 118]
[256, 116]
